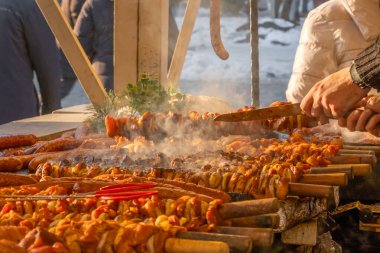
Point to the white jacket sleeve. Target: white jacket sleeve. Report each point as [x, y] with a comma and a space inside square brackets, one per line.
[315, 57]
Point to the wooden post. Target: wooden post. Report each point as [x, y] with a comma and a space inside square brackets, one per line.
[153, 35]
[125, 43]
[73, 51]
[183, 42]
[254, 38]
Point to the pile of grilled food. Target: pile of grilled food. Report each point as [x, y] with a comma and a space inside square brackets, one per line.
[219, 186]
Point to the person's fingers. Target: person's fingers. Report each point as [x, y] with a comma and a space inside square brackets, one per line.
[352, 120]
[307, 103]
[377, 131]
[342, 122]
[361, 103]
[317, 109]
[326, 108]
[372, 123]
[363, 119]
[373, 103]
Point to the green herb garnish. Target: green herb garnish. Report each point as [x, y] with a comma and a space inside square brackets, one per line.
[146, 95]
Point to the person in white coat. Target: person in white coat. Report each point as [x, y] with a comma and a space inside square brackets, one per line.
[332, 35]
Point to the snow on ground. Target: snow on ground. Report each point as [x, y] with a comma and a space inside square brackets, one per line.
[205, 74]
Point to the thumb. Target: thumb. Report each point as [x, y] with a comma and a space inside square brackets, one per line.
[373, 103]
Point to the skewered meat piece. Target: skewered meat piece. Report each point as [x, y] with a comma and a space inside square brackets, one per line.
[158, 126]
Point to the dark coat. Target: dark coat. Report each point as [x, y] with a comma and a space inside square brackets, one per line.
[71, 10]
[94, 29]
[26, 45]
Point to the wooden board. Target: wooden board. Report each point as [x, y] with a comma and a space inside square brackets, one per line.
[45, 127]
[73, 51]
[81, 109]
[153, 39]
[125, 43]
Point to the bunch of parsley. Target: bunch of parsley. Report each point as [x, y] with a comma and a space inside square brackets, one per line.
[147, 95]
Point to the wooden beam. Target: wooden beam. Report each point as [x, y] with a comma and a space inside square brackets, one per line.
[153, 38]
[125, 43]
[73, 51]
[183, 42]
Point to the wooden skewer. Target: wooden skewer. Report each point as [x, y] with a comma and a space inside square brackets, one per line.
[353, 159]
[318, 191]
[357, 169]
[236, 243]
[332, 170]
[259, 221]
[356, 152]
[249, 208]
[375, 148]
[177, 245]
[310, 190]
[259, 236]
[335, 179]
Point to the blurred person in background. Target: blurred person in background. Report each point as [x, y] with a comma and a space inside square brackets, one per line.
[26, 45]
[71, 10]
[317, 3]
[94, 29]
[332, 35]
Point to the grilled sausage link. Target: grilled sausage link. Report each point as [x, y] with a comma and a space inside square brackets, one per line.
[11, 179]
[13, 141]
[59, 144]
[10, 164]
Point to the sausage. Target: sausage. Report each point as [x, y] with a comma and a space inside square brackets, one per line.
[41, 158]
[11, 179]
[59, 144]
[27, 158]
[216, 39]
[12, 151]
[13, 233]
[10, 164]
[13, 141]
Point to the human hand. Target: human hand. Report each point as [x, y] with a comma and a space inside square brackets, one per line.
[333, 96]
[366, 119]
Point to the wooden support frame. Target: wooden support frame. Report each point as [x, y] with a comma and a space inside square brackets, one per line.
[153, 39]
[254, 42]
[183, 42]
[141, 38]
[125, 43]
[73, 51]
